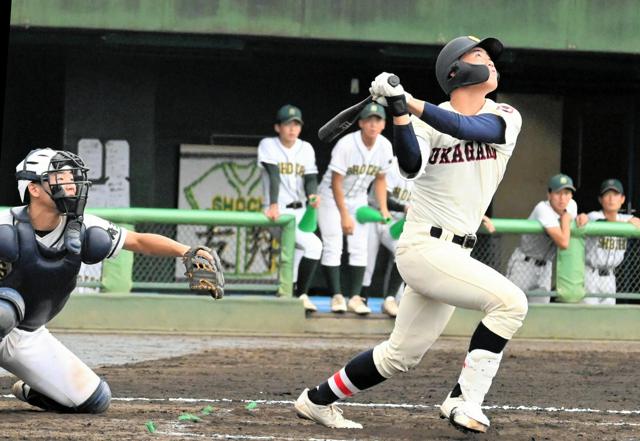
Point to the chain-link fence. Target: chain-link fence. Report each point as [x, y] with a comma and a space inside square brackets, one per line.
[611, 264]
[248, 254]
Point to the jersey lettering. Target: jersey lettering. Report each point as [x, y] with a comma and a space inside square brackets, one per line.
[288, 168]
[612, 243]
[401, 194]
[225, 203]
[473, 151]
[363, 169]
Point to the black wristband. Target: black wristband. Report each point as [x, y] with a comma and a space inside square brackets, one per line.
[397, 105]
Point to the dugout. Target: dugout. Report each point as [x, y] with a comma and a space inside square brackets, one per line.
[165, 73]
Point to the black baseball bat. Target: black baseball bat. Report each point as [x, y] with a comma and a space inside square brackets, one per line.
[345, 119]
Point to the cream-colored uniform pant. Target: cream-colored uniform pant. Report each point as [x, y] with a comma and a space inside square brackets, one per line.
[46, 365]
[441, 275]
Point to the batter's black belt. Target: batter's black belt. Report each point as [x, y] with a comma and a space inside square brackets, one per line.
[466, 241]
[536, 262]
[603, 272]
[296, 204]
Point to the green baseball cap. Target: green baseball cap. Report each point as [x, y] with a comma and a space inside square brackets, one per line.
[288, 113]
[561, 181]
[611, 184]
[372, 109]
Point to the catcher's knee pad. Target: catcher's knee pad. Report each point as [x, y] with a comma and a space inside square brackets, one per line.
[11, 310]
[99, 400]
[96, 245]
[390, 360]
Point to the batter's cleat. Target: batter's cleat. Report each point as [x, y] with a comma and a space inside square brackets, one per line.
[330, 416]
[390, 306]
[307, 303]
[356, 304]
[20, 390]
[465, 416]
[338, 304]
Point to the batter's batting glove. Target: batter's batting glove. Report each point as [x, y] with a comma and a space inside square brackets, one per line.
[381, 86]
[204, 275]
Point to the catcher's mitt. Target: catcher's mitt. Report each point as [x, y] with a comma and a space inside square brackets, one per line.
[201, 274]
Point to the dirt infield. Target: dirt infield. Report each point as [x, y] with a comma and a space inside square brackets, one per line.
[549, 390]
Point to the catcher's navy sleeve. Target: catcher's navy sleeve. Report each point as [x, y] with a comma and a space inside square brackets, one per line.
[485, 127]
[406, 148]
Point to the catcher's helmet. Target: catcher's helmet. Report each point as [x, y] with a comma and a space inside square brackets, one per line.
[41, 165]
[464, 74]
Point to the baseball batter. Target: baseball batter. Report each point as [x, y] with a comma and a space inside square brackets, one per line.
[42, 246]
[290, 179]
[457, 154]
[604, 254]
[531, 263]
[357, 160]
[398, 195]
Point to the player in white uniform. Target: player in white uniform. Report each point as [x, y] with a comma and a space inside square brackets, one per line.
[399, 193]
[531, 263]
[604, 254]
[42, 246]
[290, 182]
[457, 153]
[357, 160]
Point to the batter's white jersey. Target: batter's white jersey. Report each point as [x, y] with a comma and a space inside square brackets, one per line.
[55, 238]
[605, 252]
[293, 163]
[541, 246]
[358, 164]
[458, 178]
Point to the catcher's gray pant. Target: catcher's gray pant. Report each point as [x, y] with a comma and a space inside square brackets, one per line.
[595, 283]
[441, 275]
[529, 276]
[45, 364]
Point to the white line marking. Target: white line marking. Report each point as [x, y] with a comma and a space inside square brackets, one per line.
[378, 405]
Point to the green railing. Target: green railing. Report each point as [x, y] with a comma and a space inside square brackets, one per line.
[571, 261]
[210, 217]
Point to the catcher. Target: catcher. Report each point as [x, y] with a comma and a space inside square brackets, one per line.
[42, 245]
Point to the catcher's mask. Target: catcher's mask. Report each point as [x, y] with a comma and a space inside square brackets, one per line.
[451, 72]
[65, 174]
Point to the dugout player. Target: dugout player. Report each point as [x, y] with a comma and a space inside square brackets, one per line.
[398, 195]
[42, 246]
[531, 263]
[457, 154]
[357, 160]
[290, 182]
[604, 254]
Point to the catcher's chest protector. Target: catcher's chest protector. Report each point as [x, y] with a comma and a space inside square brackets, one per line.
[44, 283]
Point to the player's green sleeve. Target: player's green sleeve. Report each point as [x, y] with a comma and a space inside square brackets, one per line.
[311, 184]
[274, 182]
[393, 205]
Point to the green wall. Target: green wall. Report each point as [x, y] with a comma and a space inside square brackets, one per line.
[582, 25]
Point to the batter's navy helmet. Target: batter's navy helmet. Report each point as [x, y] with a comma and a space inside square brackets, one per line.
[464, 74]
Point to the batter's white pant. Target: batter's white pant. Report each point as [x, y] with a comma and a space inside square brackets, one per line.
[331, 229]
[46, 365]
[594, 283]
[307, 244]
[378, 234]
[440, 276]
[528, 276]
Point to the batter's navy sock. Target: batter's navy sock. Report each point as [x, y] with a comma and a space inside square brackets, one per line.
[354, 280]
[333, 278]
[483, 338]
[306, 271]
[359, 374]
